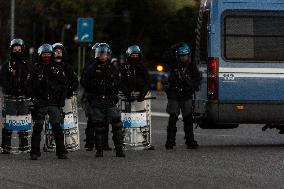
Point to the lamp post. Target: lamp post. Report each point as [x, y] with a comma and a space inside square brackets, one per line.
[66, 26]
[12, 34]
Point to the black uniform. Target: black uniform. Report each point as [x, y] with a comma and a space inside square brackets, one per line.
[135, 78]
[48, 88]
[15, 76]
[101, 83]
[182, 82]
[71, 76]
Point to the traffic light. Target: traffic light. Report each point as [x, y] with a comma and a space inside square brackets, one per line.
[160, 68]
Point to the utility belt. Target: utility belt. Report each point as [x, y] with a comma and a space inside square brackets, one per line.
[97, 98]
[179, 89]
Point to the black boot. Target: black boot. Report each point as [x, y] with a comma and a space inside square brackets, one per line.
[35, 140]
[62, 156]
[59, 141]
[192, 145]
[118, 136]
[100, 153]
[99, 145]
[6, 141]
[171, 132]
[119, 152]
[90, 136]
[189, 135]
[106, 145]
[34, 157]
[24, 142]
[100, 129]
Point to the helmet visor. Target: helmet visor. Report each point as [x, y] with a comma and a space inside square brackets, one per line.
[103, 51]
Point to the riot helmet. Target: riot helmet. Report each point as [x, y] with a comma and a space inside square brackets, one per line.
[93, 51]
[103, 52]
[17, 47]
[45, 53]
[58, 49]
[183, 52]
[133, 53]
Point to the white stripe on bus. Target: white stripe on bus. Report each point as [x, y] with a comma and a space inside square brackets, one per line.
[252, 75]
[252, 70]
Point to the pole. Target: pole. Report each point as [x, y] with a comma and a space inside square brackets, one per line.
[62, 34]
[12, 35]
[84, 57]
[79, 61]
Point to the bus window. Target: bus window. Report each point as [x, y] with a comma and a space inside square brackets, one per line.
[257, 36]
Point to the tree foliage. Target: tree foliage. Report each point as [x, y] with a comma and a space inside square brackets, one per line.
[152, 24]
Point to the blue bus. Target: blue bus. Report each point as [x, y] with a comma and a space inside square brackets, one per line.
[240, 52]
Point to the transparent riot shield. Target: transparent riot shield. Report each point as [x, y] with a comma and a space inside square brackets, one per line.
[16, 124]
[70, 127]
[136, 120]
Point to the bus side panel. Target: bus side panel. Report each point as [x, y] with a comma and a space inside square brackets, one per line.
[251, 87]
[251, 113]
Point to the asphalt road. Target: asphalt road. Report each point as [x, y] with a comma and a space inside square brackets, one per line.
[244, 157]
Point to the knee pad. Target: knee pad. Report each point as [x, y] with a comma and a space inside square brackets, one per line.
[38, 122]
[6, 132]
[37, 129]
[117, 125]
[187, 119]
[100, 127]
[56, 128]
[173, 118]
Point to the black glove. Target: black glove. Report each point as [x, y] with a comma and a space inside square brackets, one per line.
[129, 97]
[141, 97]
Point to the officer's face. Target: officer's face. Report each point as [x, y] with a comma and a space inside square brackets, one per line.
[46, 57]
[17, 48]
[103, 57]
[58, 53]
[184, 58]
[134, 57]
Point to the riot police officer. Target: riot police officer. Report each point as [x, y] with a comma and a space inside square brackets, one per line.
[72, 80]
[15, 75]
[101, 83]
[48, 90]
[90, 130]
[183, 81]
[134, 74]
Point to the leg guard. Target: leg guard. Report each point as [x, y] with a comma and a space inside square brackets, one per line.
[59, 139]
[106, 145]
[90, 135]
[118, 133]
[23, 141]
[100, 130]
[6, 139]
[188, 130]
[36, 138]
[171, 130]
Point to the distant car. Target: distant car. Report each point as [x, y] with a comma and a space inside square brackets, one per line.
[156, 79]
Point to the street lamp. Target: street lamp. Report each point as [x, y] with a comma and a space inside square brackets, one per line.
[12, 34]
[66, 26]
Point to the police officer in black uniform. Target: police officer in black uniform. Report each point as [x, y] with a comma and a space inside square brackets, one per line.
[182, 83]
[48, 90]
[72, 79]
[134, 74]
[15, 76]
[90, 130]
[101, 83]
